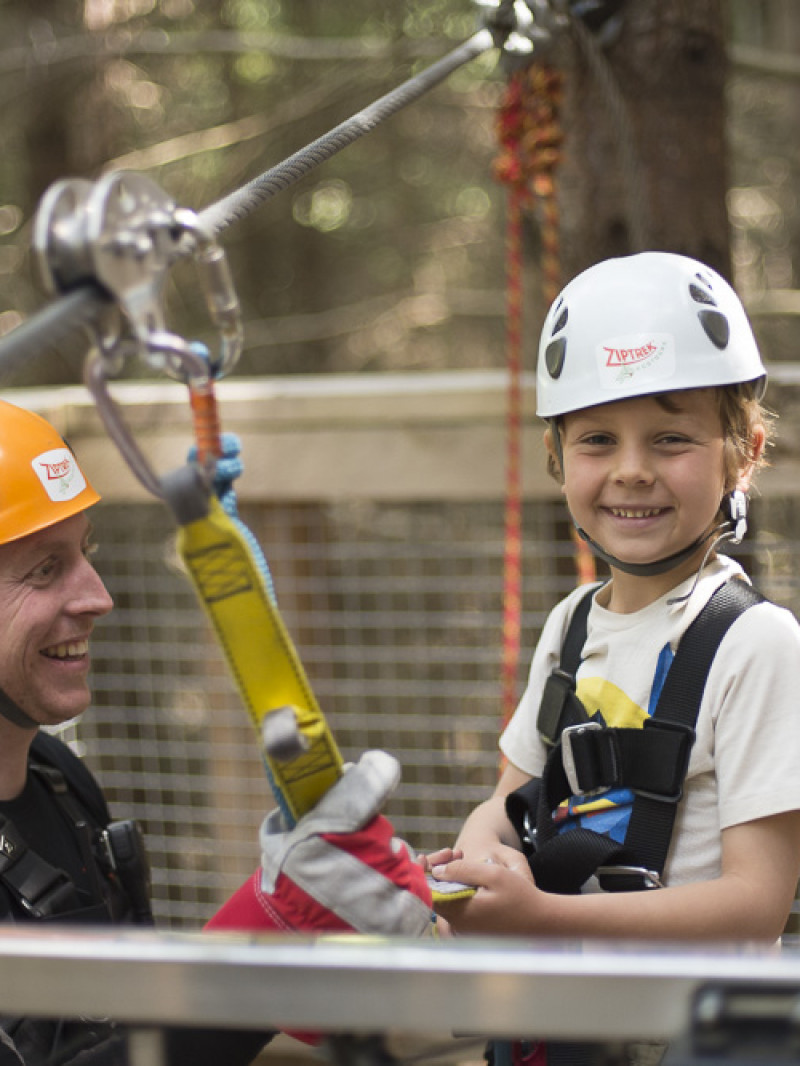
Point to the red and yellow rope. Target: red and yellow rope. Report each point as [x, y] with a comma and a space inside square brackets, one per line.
[530, 150]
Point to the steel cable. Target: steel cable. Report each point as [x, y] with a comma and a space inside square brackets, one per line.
[243, 201]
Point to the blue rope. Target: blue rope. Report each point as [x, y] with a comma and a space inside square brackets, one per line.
[229, 467]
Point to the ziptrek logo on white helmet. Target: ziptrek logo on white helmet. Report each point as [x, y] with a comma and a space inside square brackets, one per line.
[59, 473]
[643, 357]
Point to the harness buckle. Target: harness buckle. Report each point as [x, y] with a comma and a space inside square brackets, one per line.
[680, 764]
[529, 833]
[651, 878]
[558, 689]
[568, 755]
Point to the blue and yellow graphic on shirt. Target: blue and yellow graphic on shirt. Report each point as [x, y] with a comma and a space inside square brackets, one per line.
[609, 811]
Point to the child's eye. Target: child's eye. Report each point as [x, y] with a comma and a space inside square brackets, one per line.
[90, 549]
[596, 439]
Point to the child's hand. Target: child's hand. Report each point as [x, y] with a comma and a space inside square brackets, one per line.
[505, 894]
[437, 858]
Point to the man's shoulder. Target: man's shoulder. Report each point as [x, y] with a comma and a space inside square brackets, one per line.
[54, 753]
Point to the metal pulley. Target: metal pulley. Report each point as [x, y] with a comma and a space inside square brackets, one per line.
[124, 233]
[523, 29]
[521, 26]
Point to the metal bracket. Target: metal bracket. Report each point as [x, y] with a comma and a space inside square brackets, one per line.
[281, 736]
[749, 1023]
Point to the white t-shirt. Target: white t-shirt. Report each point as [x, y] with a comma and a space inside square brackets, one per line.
[745, 762]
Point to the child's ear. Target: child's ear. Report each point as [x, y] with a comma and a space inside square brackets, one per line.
[758, 438]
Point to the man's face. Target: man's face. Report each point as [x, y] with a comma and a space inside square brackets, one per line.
[50, 596]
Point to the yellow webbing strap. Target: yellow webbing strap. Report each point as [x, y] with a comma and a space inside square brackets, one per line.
[264, 662]
[260, 653]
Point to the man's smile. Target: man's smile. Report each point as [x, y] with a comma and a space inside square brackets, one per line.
[69, 650]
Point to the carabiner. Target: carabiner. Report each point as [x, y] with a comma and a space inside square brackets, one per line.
[204, 412]
[218, 289]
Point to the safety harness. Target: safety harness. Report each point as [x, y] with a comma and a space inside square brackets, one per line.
[587, 756]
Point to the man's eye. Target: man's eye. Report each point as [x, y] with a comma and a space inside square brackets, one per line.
[43, 571]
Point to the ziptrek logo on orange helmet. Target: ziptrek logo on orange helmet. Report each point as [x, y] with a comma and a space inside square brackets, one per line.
[59, 474]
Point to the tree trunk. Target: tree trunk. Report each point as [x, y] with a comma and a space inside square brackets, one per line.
[645, 158]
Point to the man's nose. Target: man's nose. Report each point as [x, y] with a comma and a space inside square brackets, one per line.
[90, 595]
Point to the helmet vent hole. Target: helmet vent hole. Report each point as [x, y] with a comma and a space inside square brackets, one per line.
[561, 321]
[554, 356]
[701, 296]
[716, 326]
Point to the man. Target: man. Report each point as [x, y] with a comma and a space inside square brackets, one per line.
[57, 843]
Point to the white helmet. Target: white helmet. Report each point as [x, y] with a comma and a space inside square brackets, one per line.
[642, 324]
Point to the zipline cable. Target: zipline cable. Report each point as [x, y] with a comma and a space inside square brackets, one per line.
[239, 204]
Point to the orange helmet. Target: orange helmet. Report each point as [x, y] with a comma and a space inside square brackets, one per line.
[40, 480]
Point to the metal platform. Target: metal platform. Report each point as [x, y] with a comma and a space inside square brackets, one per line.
[358, 985]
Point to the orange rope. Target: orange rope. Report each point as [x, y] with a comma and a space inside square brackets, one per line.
[530, 139]
[205, 419]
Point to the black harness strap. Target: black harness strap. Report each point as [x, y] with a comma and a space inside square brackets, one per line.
[652, 761]
[653, 817]
[560, 707]
[54, 752]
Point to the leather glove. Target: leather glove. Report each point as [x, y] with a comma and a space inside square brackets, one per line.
[340, 869]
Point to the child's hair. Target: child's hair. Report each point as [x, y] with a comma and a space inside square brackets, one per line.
[740, 412]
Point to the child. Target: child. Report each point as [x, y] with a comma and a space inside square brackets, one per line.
[650, 381]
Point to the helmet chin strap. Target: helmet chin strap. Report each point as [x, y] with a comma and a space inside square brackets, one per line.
[734, 506]
[659, 566]
[14, 714]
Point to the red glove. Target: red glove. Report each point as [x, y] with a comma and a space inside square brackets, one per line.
[339, 870]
